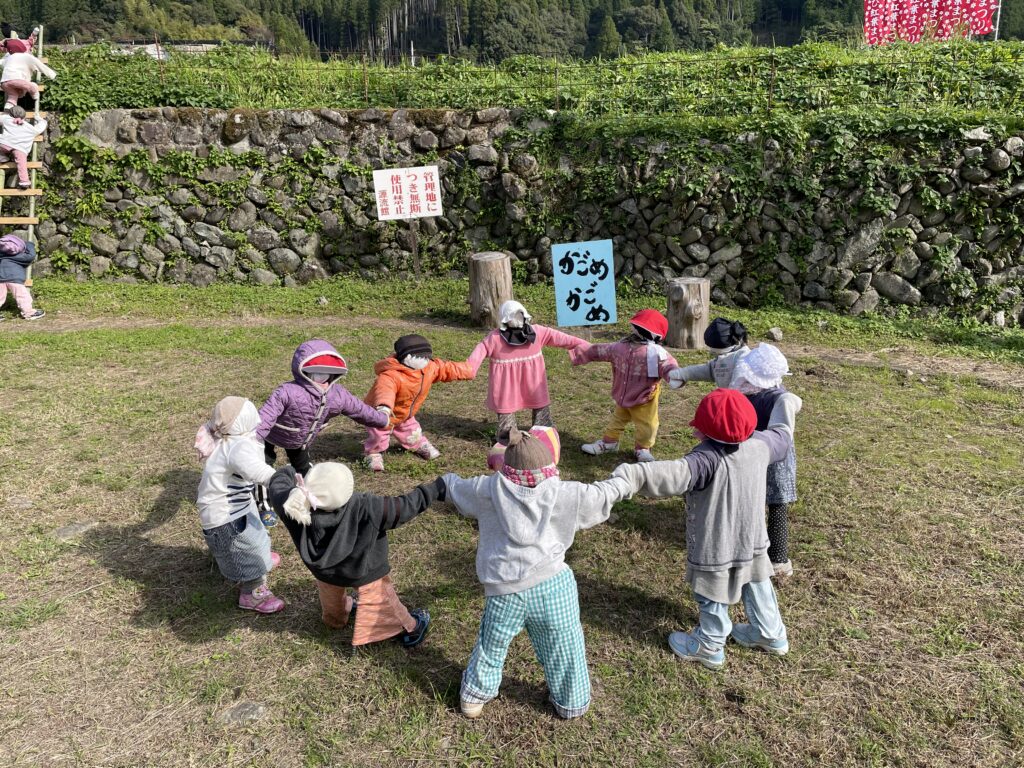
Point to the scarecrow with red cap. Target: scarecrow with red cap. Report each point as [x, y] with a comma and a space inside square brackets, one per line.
[298, 410]
[727, 560]
[639, 363]
[18, 67]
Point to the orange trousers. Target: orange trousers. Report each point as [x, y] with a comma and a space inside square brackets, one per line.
[381, 614]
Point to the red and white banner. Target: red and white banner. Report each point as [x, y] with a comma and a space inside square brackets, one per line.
[914, 20]
[407, 193]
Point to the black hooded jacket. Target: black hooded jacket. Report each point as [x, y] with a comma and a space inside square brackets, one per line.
[348, 547]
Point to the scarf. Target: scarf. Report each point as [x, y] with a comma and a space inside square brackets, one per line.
[517, 337]
[531, 478]
[655, 354]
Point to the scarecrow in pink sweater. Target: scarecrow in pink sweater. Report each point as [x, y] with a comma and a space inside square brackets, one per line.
[517, 378]
[639, 363]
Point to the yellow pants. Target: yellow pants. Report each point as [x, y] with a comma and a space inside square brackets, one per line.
[645, 422]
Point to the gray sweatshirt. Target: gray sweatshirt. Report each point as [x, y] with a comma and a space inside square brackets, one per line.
[718, 370]
[525, 532]
[726, 537]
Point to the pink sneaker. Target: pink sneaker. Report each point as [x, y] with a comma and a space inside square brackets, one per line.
[275, 560]
[374, 462]
[427, 451]
[261, 600]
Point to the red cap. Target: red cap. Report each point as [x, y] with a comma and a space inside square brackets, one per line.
[725, 415]
[652, 321]
[15, 45]
[325, 364]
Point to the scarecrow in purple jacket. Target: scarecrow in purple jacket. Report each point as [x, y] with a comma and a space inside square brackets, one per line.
[296, 411]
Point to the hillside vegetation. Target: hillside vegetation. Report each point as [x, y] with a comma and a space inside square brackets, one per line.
[914, 85]
[484, 29]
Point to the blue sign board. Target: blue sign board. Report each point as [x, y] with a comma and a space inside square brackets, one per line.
[584, 283]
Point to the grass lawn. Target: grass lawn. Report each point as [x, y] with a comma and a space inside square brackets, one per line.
[122, 645]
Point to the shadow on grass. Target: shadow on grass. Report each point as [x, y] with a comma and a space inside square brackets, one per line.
[631, 610]
[181, 587]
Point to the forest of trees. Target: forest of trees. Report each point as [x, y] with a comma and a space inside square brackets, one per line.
[480, 29]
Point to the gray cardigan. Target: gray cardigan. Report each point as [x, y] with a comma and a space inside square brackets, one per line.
[726, 537]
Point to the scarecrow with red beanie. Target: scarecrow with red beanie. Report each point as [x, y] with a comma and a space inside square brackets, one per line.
[18, 67]
[639, 364]
[727, 560]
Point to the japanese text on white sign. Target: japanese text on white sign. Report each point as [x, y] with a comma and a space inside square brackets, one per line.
[407, 193]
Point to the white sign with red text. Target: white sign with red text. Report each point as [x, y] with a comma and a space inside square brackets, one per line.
[407, 193]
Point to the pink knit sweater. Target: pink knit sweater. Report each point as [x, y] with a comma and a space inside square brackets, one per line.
[517, 377]
[630, 383]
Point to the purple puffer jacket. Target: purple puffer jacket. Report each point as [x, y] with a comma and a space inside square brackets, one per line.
[296, 411]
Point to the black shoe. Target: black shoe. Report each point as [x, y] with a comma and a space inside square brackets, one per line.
[414, 638]
[36, 315]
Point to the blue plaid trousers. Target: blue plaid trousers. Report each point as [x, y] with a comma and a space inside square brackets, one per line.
[550, 612]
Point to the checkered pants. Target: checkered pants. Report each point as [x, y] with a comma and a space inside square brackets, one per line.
[550, 612]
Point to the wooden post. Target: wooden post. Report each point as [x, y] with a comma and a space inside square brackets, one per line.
[490, 286]
[688, 301]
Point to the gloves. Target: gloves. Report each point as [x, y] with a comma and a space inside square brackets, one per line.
[676, 378]
[297, 507]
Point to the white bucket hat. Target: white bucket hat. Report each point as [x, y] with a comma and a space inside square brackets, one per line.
[761, 368]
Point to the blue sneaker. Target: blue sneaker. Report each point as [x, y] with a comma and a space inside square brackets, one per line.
[687, 647]
[419, 633]
[748, 636]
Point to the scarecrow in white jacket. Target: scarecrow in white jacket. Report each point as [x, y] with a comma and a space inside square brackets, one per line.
[18, 67]
[231, 523]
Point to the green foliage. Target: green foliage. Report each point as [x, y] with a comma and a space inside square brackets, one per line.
[921, 91]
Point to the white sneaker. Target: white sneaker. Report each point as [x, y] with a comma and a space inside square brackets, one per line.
[374, 462]
[643, 454]
[471, 710]
[427, 451]
[782, 570]
[596, 449]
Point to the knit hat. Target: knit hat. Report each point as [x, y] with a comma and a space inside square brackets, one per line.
[531, 457]
[652, 321]
[326, 363]
[723, 334]
[725, 415]
[413, 344]
[761, 368]
[327, 486]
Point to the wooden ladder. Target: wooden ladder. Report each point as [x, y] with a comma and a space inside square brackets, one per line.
[34, 165]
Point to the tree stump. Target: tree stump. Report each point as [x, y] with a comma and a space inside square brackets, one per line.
[490, 286]
[689, 299]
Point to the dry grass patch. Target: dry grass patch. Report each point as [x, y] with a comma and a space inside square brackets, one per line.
[123, 647]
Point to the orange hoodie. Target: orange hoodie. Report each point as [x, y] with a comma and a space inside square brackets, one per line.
[403, 390]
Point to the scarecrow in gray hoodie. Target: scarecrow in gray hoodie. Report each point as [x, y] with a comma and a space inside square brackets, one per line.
[528, 518]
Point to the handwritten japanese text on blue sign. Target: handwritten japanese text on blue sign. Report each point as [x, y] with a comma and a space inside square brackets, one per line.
[584, 282]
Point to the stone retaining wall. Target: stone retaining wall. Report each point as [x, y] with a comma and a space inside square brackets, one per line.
[198, 196]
